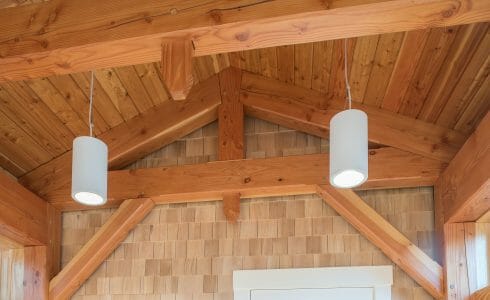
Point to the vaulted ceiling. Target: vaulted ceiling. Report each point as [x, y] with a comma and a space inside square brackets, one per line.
[437, 75]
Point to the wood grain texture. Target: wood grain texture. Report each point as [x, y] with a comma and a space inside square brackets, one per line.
[61, 45]
[53, 249]
[456, 275]
[36, 279]
[231, 134]
[404, 68]
[230, 116]
[12, 274]
[281, 105]
[138, 137]
[99, 247]
[387, 238]
[292, 175]
[231, 206]
[464, 187]
[22, 214]
[177, 67]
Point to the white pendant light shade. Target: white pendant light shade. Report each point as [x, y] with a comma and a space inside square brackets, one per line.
[348, 148]
[89, 171]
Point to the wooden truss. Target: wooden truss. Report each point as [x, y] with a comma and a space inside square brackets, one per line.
[137, 191]
[417, 152]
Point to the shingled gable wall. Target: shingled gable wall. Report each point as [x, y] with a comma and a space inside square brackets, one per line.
[188, 251]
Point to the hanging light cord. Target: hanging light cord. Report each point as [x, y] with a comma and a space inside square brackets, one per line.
[347, 85]
[90, 111]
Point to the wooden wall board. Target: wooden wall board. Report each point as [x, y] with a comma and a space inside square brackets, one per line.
[12, 274]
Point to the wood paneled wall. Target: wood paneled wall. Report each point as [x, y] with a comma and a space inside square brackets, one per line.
[11, 274]
[189, 250]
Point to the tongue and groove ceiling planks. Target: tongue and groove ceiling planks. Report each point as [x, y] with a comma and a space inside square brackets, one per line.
[437, 75]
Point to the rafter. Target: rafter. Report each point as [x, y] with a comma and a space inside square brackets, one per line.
[387, 238]
[292, 175]
[99, 247]
[298, 108]
[139, 136]
[57, 42]
[464, 187]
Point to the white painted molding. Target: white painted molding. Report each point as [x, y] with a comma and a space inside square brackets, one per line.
[378, 278]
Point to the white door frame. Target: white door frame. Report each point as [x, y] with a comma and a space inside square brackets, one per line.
[379, 278]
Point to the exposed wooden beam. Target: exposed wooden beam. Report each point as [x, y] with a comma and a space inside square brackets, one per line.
[36, 280]
[230, 116]
[231, 132]
[177, 67]
[294, 107]
[292, 175]
[464, 187]
[231, 206]
[53, 251]
[99, 247]
[123, 33]
[387, 238]
[137, 137]
[22, 214]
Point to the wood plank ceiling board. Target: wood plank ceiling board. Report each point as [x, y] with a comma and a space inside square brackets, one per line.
[336, 86]
[285, 63]
[56, 103]
[102, 102]
[466, 43]
[384, 61]
[408, 58]
[116, 91]
[268, 62]
[17, 145]
[75, 98]
[362, 64]
[433, 56]
[322, 65]
[470, 81]
[476, 110]
[150, 77]
[135, 88]
[303, 60]
[35, 118]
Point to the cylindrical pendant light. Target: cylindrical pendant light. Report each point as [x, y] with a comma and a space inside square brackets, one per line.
[348, 148]
[89, 171]
[89, 166]
[348, 143]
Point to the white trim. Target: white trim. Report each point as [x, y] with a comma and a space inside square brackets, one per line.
[380, 278]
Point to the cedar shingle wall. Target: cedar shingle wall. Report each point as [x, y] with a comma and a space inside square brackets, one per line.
[188, 251]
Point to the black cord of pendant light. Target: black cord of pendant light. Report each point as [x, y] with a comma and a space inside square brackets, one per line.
[90, 111]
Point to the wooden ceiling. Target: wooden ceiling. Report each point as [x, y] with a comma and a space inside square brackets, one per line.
[437, 75]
